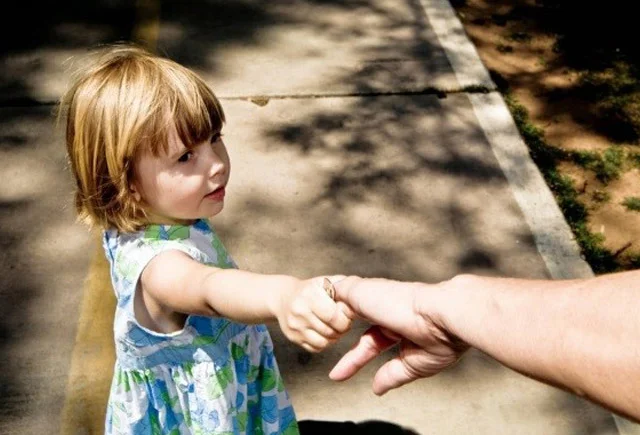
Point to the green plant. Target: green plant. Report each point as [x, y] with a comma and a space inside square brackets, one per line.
[615, 95]
[600, 196]
[543, 154]
[586, 159]
[623, 111]
[615, 80]
[606, 166]
[632, 203]
[609, 166]
[633, 261]
[546, 157]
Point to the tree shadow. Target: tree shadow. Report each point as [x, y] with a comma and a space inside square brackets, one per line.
[18, 292]
[382, 148]
[205, 27]
[40, 265]
[41, 39]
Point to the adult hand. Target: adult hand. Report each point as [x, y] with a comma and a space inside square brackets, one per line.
[402, 313]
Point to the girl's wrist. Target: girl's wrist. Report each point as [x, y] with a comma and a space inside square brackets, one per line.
[281, 295]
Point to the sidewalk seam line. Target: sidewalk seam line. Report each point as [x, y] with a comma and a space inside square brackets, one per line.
[426, 91]
[471, 89]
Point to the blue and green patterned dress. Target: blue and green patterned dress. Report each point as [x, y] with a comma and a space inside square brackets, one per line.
[214, 376]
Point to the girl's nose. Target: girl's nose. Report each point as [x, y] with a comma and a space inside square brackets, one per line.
[214, 161]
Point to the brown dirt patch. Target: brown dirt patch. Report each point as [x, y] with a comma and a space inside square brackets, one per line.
[521, 56]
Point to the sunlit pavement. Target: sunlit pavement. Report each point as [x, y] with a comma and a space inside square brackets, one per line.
[356, 148]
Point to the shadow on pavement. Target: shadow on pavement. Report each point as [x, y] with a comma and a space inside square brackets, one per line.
[42, 261]
[372, 427]
[376, 144]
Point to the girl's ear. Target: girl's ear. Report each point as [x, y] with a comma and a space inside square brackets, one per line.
[135, 192]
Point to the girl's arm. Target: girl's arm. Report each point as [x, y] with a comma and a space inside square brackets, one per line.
[306, 314]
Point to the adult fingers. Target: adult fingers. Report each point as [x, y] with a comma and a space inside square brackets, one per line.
[392, 374]
[380, 301]
[371, 344]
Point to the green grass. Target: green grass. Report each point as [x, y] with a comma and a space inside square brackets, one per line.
[614, 95]
[633, 261]
[586, 159]
[607, 166]
[632, 203]
[600, 196]
[610, 165]
[547, 156]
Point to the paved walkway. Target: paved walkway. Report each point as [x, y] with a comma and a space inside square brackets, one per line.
[360, 143]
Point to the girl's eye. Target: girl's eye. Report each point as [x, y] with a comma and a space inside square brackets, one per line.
[185, 157]
[216, 137]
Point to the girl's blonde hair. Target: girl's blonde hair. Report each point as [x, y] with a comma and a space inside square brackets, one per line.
[124, 102]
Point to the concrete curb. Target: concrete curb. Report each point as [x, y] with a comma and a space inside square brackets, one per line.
[552, 234]
[462, 54]
[553, 237]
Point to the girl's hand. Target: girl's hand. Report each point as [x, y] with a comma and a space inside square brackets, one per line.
[310, 318]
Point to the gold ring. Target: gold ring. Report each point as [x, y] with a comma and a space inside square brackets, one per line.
[329, 288]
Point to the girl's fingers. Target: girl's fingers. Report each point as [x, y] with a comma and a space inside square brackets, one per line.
[309, 348]
[315, 341]
[338, 315]
[317, 325]
[338, 318]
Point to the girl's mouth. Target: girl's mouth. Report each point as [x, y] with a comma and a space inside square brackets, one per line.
[216, 195]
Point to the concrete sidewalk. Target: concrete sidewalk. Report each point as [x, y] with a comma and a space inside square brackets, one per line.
[358, 146]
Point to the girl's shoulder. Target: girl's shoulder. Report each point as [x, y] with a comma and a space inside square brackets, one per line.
[132, 251]
[153, 239]
[129, 253]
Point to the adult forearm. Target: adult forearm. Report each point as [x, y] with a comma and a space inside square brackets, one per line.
[582, 335]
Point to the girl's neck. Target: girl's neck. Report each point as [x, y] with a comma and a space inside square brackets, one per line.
[155, 219]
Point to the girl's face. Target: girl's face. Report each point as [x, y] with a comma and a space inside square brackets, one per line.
[182, 185]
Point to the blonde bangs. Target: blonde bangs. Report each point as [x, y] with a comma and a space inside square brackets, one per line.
[197, 113]
[186, 102]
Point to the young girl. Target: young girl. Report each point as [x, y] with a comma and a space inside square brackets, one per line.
[145, 145]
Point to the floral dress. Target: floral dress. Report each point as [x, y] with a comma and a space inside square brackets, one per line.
[214, 376]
